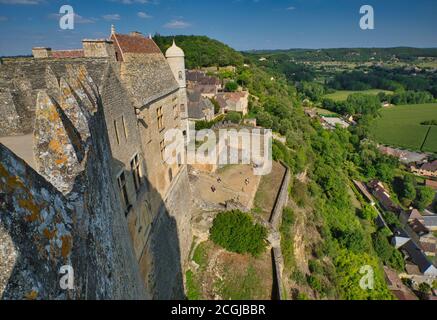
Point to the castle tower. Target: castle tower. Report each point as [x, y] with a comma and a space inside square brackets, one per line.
[176, 59]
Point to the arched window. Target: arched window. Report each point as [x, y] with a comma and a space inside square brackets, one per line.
[181, 75]
[170, 174]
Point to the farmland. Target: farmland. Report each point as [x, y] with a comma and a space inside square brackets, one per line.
[342, 95]
[401, 126]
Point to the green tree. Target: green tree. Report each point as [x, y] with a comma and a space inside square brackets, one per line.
[389, 255]
[425, 197]
[368, 213]
[409, 190]
[231, 86]
[236, 231]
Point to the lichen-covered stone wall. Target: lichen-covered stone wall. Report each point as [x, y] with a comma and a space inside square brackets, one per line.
[68, 213]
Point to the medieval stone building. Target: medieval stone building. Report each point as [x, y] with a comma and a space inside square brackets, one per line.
[96, 193]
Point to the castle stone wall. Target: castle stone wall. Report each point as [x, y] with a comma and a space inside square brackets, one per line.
[9, 120]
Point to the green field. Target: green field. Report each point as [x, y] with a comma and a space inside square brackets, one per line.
[342, 95]
[401, 126]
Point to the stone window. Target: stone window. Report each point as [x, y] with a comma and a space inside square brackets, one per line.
[170, 175]
[162, 148]
[183, 108]
[181, 75]
[117, 136]
[136, 172]
[122, 185]
[179, 160]
[175, 111]
[124, 127]
[160, 118]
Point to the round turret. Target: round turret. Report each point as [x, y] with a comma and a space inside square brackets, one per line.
[174, 52]
[176, 59]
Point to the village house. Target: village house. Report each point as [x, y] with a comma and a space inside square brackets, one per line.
[234, 101]
[199, 107]
[397, 287]
[332, 123]
[199, 81]
[403, 155]
[383, 196]
[417, 257]
[414, 223]
[426, 170]
[430, 221]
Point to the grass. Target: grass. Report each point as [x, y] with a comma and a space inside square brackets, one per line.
[193, 287]
[325, 112]
[268, 190]
[200, 255]
[342, 95]
[288, 220]
[239, 286]
[401, 126]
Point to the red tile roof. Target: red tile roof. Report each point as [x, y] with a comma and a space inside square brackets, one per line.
[135, 44]
[62, 54]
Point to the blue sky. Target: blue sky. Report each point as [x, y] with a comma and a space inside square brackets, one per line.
[243, 24]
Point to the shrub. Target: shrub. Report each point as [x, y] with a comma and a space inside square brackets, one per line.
[315, 267]
[231, 86]
[235, 231]
[299, 277]
[234, 117]
[368, 213]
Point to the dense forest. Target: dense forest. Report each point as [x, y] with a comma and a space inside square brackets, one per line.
[202, 51]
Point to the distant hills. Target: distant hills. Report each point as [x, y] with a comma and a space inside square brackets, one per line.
[352, 54]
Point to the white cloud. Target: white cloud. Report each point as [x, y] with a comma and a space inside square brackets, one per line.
[111, 17]
[24, 2]
[3, 18]
[144, 15]
[290, 8]
[177, 24]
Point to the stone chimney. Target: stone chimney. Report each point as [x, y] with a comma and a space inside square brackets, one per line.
[41, 52]
[98, 48]
[136, 34]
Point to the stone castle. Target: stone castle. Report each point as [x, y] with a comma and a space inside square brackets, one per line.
[84, 182]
